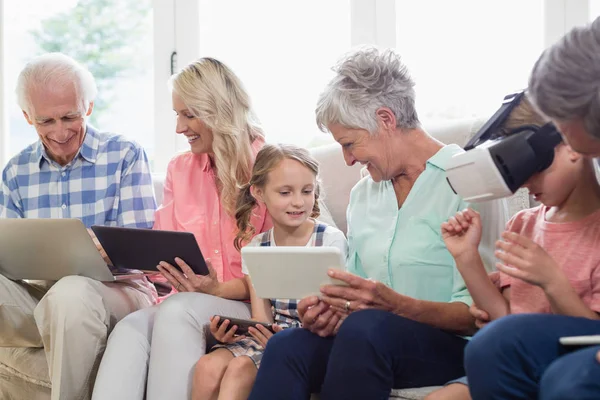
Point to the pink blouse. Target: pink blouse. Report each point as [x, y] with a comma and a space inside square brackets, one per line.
[192, 203]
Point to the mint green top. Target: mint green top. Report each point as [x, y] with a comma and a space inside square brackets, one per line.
[403, 248]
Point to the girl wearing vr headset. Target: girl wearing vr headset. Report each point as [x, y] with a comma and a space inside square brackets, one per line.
[548, 262]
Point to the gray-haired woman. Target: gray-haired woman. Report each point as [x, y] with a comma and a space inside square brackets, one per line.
[565, 86]
[406, 304]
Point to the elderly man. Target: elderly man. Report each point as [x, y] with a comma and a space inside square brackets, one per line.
[72, 171]
[519, 357]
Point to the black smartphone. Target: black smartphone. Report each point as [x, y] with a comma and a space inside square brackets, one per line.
[242, 324]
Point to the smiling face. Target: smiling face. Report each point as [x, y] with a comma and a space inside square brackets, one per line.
[359, 146]
[289, 193]
[198, 135]
[58, 116]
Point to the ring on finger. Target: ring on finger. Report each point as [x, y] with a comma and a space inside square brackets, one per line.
[347, 306]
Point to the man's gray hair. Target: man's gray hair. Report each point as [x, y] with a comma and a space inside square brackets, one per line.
[565, 81]
[59, 70]
[367, 80]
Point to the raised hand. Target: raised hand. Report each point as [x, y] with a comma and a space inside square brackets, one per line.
[462, 233]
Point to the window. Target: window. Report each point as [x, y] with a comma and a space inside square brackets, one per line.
[465, 55]
[113, 38]
[283, 52]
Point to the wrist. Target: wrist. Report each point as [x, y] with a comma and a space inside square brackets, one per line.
[556, 286]
[467, 257]
[215, 290]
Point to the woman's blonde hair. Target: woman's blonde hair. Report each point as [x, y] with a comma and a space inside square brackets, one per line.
[267, 159]
[214, 94]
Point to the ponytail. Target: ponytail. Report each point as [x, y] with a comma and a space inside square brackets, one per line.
[243, 211]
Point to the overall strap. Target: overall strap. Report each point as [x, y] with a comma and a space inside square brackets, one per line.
[320, 233]
[265, 240]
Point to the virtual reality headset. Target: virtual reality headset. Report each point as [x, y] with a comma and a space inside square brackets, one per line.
[495, 163]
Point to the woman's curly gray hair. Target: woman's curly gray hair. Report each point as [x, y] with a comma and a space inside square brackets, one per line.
[565, 81]
[365, 81]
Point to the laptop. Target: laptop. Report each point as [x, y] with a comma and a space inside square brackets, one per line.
[290, 272]
[143, 249]
[49, 249]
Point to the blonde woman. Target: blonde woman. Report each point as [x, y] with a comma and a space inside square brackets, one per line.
[215, 115]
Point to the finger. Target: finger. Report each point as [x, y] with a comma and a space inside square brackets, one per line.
[181, 278]
[446, 227]
[223, 327]
[455, 224]
[267, 333]
[351, 279]
[341, 292]
[174, 282]
[330, 327]
[277, 328]
[189, 273]
[312, 314]
[214, 323]
[518, 239]
[462, 220]
[472, 215]
[480, 324]
[258, 335]
[598, 356]
[337, 303]
[211, 271]
[510, 259]
[228, 336]
[512, 248]
[306, 303]
[323, 319]
[510, 271]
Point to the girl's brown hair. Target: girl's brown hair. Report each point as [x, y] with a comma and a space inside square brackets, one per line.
[521, 115]
[267, 159]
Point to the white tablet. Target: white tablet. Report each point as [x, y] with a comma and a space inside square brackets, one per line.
[289, 272]
[590, 340]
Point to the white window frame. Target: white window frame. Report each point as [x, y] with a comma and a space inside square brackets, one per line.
[176, 29]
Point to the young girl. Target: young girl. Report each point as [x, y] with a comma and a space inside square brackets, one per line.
[285, 180]
[549, 262]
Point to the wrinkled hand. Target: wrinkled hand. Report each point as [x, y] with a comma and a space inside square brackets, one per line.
[361, 294]
[462, 233]
[100, 248]
[262, 334]
[524, 259]
[221, 333]
[188, 281]
[482, 318]
[318, 317]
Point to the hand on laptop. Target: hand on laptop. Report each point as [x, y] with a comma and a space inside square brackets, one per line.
[188, 281]
[99, 247]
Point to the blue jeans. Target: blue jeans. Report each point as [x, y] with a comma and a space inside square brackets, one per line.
[373, 352]
[520, 357]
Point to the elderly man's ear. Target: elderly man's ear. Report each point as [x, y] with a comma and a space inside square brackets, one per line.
[29, 121]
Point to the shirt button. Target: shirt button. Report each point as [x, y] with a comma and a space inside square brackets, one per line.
[64, 173]
[216, 251]
[64, 206]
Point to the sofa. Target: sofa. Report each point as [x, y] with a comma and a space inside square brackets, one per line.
[24, 372]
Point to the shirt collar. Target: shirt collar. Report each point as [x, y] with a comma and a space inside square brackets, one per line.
[88, 149]
[441, 158]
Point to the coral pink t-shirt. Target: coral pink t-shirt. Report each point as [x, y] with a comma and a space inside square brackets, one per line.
[575, 246]
[192, 203]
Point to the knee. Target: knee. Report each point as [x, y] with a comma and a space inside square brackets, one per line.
[135, 328]
[241, 369]
[178, 306]
[287, 345]
[367, 327]
[209, 370]
[572, 376]
[71, 296]
[500, 337]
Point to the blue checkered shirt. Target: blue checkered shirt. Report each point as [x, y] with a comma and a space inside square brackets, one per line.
[107, 183]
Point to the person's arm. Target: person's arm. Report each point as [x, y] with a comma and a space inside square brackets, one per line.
[137, 203]
[565, 301]
[482, 289]
[261, 308]
[233, 289]
[524, 259]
